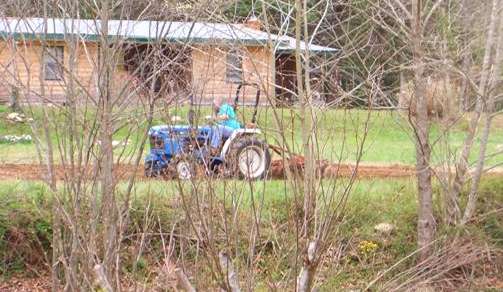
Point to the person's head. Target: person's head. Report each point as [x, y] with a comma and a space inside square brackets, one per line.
[217, 102]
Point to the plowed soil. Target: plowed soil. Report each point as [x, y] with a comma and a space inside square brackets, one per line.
[277, 171]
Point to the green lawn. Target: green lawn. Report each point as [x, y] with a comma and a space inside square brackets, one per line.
[340, 134]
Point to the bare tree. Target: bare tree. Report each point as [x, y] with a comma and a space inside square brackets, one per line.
[75, 136]
[222, 222]
[417, 24]
[492, 68]
[421, 125]
[318, 205]
[477, 90]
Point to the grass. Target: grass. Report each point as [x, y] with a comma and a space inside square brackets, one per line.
[25, 213]
[25, 206]
[389, 138]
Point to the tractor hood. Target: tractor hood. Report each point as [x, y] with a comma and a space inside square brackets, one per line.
[176, 129]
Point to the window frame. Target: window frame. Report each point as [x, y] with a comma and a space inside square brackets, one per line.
[234, 66]
[53, 60]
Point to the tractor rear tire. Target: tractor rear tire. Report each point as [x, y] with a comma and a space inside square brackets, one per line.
[185, 170]
[250, 158]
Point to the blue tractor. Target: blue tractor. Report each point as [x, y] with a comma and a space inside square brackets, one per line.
[180, 150]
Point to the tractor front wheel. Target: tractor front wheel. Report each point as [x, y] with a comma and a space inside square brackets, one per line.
[151, 169]
[250, 158]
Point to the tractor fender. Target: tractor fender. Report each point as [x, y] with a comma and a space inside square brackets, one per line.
[237, 133]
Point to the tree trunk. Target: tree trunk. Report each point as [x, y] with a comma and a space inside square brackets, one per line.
[51, 179]
[231, 276]
[426, 221]
[109, 207]
[307, 274]
[308, 271]
[464, 101]
[489, 102]
[462, 164]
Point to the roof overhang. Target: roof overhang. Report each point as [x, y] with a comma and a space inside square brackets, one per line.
[89, 30]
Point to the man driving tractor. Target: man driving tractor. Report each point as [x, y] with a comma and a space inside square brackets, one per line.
[178, 149]
[226, 124]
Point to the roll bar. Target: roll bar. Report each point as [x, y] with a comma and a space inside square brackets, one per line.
[257, 97]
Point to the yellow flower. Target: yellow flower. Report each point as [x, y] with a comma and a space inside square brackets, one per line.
[367, 247]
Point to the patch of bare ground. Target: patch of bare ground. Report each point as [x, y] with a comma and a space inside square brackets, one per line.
[25, 284]
[278, 170]
[38, 172]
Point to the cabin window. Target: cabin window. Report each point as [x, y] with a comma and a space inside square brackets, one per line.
[234, 70]
[53, 63]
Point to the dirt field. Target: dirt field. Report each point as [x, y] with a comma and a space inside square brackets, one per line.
[277, 171]
[38, 172]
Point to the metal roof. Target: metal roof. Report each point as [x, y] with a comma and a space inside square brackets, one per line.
[290, 44]
[148, 31]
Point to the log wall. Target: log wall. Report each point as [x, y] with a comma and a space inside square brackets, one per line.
[21, 67]
[209, 73]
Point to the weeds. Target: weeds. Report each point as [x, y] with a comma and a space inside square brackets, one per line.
[357, 254]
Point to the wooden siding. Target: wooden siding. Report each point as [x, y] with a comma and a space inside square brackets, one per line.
[4, 88]
[23, 60]
[209, 73]
[6, 55]
[21, 65]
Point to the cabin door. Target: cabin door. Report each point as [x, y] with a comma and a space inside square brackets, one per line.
[286, 79]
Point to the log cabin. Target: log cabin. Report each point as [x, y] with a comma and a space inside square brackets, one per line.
[42, 59]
